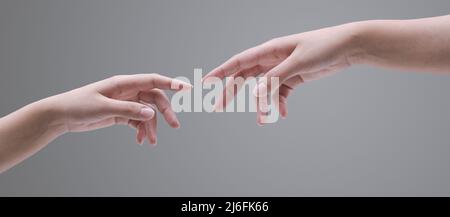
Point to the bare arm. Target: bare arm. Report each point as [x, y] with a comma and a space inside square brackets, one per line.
[125, 99]
[26, 131]
[418, 45]
[415, 45]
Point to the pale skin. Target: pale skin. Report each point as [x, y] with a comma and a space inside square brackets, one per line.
[412, 45]
[120, 100]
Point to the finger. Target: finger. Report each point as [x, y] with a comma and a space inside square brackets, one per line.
[294, 81]
[160, 99]
[150, 126]
[151, 130]
[282, 104]
[125, 84]
[269, 53]
[232, 88]
[133, 124]
[258, 112]
[242, 61]
[276, 76]
[261, 109]
[136, 125]
[141, 133]
[128, 109]
[284, 91]
[280, 101]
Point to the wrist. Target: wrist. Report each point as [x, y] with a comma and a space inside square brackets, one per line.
[51, 116]
[358, 42]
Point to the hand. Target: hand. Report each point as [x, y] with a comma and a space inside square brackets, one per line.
[293, 59]
[124, 99]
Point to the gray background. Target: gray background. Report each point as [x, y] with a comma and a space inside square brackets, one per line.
[363, 132]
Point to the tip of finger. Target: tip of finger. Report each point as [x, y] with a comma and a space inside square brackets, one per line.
[185, 87]
[181, 85]
[283, 114]
[153, 142]
[258, 121]
[139, 141]
[175, 125]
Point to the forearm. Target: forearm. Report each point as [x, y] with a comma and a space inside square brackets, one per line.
[26, 131]
[419, 45]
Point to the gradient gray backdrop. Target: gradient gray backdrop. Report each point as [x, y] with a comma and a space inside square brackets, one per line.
[363, 132]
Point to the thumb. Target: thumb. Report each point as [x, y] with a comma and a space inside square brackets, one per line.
[130, 110]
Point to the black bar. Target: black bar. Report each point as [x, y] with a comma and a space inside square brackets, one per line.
[226, 206]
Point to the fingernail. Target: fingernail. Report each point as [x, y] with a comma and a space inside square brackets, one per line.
[153, 143]
[147, 113]
[178, 83]
[139, 141]
[259, 123]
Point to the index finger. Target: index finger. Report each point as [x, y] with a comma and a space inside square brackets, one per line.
[144, 82]
[242, 61]
[269, 53]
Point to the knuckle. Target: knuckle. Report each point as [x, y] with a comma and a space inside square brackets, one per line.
[234, 60]
[237, 63]
[117, 78]
[117, 82]
[276, 40]
[234, 57]
[272, 42]
[155, 76]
